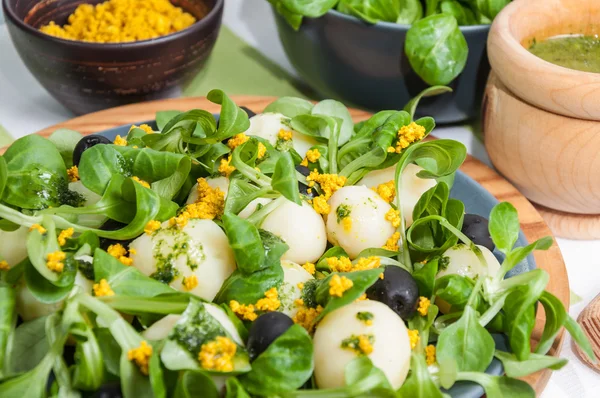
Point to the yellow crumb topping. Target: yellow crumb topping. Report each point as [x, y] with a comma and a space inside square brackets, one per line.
[237, 140]
[225, 168]
[73, 174]
[179, 221]
[270, 302]
[102, 288]
[248, 311]
[54, 261]
[409, 134]
[343, 264]
[392, 242]
[430, 354]
[311, 156]
[307, 317]
[243, 311]
[144, 127]
[38, 228]
[299, 302]
[64, 235]
[151, 227]
[310, 268]
[218, 354]
[361, 344]
[413, 337]
[209, 205]
[320, 205]
[120, 253]
[4, 265]
[362, 297]
[284, 135]
[141, 182]
[338, 285]
[300, 285]
[329, 183]
[387, 191]
[262, 150]
[190, 282]
[393, 216]
[118, 21]
[347, 224]
[120, 141]
[141, 356]
[424, 304]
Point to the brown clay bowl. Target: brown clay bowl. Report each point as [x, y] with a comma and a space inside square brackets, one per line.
[87, 77]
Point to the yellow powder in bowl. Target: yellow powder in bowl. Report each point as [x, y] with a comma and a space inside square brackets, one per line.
[117, 21]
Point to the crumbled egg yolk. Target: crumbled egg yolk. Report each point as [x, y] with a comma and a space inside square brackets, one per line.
[64, 235]
[311, 156]
[209, 205]
[218, 354]
[141, 182]
[120, 141]
[392, 242]
[270, 302]
[244, 311]
[38, 228]
[361, 344]
[179, 221]
[307, 317]
[338, 285]
[141, 356]
[262, 150]
[120, 253]
[237, 140]
[413, 336]
[247, 311]
[347, 224]
[102, 288]
[387, 191]
[343, 264]
[144, 127]
[190, 282]
[4, 265]
[393, 216]
[225, 168]
[73, 174]
[430, 354]
[424, 304]
[320, 205]
[117, 21]
[409, 134]
[365, 317]
[362, 297]
[54, 261]
[300, 285]
[284, 135]
[310, 268]
[151, 227]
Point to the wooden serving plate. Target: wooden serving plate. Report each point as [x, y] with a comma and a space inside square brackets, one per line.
[532, 223]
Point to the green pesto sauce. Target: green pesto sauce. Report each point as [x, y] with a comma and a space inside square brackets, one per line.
[342, 212]
[200, 328]
[169, 245]
[443, 262]
[364, 316]
[309, 293]
[573, 52]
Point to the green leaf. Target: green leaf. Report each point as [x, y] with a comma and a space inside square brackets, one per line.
[133, 383]
[491, 8]
[204, 127]
[41, 288]
[425, 277]
[249, 288]
[504, 226]
[412, 105]
[499, 386]
[284, 179]
[3, 175]
[163, 117]
[8, 320]
[362, 376]
[436, 49]
[556, 316]
[284, 366]
[29, 346]
[410, 12]
[466, 342]
[195, 384]
[65, 141]
[419, 383]
[337, 110]
[235, 389]
[290, 106]
[334, 251]
[463, 14]
[454, 289]
[536, 362]
[580, 337]
[309, 8]
[246, 243]
[98, 165]
[31, 384]
[233, 119]
[293, 19]
[520, 253]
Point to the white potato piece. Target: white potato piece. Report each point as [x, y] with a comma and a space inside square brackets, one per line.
[391, 345]
[161, 328]
[369, 227]
[223, 184]
[201, 248]
[293, 274]
[13, 245]
[91, 198]
[301, 227]
[29, 308]
[268, 125]
[463, 261]
[413, 187]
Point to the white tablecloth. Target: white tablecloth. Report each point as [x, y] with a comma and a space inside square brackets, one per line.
[25, 108]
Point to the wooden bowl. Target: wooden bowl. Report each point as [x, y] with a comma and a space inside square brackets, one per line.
[554, 88]
[87, 77]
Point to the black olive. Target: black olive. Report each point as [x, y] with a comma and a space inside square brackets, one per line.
[398, 290]
[248, 111]
[303, 170]
[112, 225]
[304, 188]
[265, 329]
[476, 229]
[109, 390]
[86, 143]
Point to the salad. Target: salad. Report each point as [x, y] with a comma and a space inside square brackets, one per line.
[292, 253]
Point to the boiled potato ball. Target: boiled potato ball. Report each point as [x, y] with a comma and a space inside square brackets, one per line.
[268, 125]
[463, 261]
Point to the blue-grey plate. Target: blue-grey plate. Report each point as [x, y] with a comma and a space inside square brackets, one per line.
[477, 201]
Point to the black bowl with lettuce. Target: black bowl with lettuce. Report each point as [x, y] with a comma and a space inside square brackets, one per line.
[377, 54]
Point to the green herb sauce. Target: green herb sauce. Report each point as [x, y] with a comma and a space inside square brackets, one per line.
[169, 245]
[364, 317]
[573, 52]
[200, 328]
[353, 343]
[342, 212]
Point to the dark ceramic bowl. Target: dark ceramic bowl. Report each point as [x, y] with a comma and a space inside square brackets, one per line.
[87, 77]
[365, 65]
